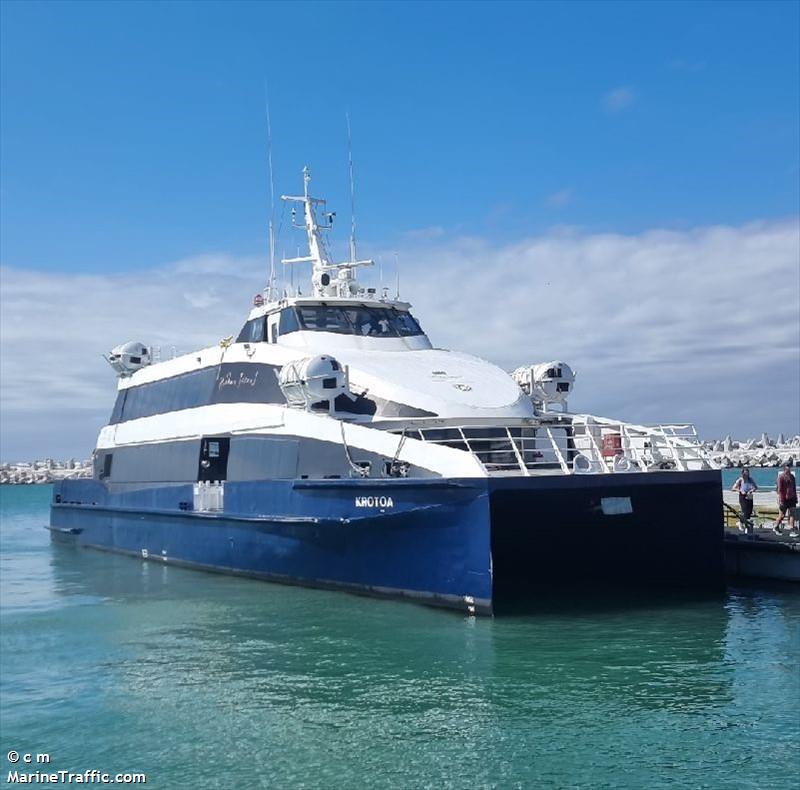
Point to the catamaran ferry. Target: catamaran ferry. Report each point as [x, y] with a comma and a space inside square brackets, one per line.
[331, 445]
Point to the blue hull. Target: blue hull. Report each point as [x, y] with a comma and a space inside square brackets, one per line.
[465, 544]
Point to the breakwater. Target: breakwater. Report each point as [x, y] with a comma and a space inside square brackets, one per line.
[729, 452]
[43, 471]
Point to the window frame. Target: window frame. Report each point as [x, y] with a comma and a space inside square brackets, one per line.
[348, 312]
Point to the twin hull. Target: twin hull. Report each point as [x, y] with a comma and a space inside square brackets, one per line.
[471, 544]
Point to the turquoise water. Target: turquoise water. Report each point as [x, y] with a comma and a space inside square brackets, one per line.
[215, 682]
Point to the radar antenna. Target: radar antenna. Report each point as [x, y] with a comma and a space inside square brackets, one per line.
[328, 278]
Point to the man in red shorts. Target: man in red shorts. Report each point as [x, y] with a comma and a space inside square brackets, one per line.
[787, 500]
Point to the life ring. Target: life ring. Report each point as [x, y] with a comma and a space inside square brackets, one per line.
[622, 464]
[582, 464]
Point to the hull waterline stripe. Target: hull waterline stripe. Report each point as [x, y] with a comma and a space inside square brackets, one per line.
[441, 600]
[259, 519]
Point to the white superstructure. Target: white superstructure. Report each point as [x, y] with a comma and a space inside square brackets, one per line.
[344, 382]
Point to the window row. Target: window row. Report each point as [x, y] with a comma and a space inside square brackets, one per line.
[351, 320]
[226, 383]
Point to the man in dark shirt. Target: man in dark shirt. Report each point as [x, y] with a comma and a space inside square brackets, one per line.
[787, 500]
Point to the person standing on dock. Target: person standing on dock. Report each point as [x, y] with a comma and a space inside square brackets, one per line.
[787, 500]
[746, 487]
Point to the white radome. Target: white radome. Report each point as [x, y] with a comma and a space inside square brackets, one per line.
[129, 357]
[546, 382]
[311, 380]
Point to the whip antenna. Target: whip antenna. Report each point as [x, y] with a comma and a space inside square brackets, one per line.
[271, 283]
[352, 191]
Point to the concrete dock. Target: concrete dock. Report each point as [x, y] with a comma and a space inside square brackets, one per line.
[759, 553]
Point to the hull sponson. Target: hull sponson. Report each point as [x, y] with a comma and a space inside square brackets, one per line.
[456, 543]
[551, 530]
[431, 544]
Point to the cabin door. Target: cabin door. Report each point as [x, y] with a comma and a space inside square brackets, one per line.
[214, 458]
[272, 327]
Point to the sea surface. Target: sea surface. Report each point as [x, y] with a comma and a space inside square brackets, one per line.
[206, 681]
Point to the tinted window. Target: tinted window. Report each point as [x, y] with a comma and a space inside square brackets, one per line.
[252, 331]
[357, 320]
[406, 324]
[229, 383]
[247, 382]
[324, 319]
[288, 321]
[371, 322]
[257, 330]
[119, 404]
[179, 392]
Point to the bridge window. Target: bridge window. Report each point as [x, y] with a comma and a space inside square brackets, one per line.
[371, 322]
[321, 318]
[252, 331]
[288, 321]
[406, 324]
[356, 320]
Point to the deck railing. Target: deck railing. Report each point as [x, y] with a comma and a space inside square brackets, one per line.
[572, 444]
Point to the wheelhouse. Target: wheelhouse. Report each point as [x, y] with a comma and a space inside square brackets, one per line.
[356, 319]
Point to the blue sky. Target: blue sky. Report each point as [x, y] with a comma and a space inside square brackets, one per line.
[134, 133]
[555, 137]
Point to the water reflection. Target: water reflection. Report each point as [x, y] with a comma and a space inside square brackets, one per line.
[160, 665]
[274, 645]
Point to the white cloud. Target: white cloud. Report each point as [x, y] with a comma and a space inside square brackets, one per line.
[685, 64]
[425, 234]
[54, 328]
[559, 199]
[619, 99]
[697, 325]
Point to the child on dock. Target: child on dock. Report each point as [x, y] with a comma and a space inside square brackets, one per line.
[787, 500]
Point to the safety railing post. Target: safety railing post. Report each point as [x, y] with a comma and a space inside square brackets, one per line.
[557, 450]
[520, 459]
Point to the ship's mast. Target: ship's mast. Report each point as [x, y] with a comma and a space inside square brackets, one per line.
[328, 278]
